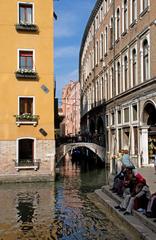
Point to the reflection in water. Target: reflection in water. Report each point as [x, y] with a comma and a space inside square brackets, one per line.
[26, 205]
[44, 211]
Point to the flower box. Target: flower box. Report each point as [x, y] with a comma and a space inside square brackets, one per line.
[26, 118]
[26, 73]
[27, 27]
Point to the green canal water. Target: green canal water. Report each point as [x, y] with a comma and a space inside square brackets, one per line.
[60, 210]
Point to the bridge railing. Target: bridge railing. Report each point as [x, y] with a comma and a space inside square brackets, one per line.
[94, 138]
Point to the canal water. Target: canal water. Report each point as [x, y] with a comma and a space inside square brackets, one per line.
[60, 210]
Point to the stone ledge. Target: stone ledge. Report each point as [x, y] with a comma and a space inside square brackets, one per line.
[26, 178]
[136, 224]
[147, 221]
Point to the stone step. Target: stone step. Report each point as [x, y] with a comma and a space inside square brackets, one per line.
[147, 221]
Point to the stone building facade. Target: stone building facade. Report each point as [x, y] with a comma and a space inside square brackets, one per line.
[27, 142]
[70, 125]
[118, 77]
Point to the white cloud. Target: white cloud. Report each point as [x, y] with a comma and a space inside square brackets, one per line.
[69, 51]
[65, 25]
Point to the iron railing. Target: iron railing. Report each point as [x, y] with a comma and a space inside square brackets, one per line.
[27, 163]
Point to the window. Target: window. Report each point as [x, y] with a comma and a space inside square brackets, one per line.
[135, 112]
[101, 47]
[126, 115]
[97, 52]
[113, 118]
[106, 40]
[26, 60]
[119, 139]
[107, 122]
[113, 82]
[126, 72]
[145, 60]
[125, 15]
[107, 87]
[106, 6]
[135, 133]
[25, 105]
[119, 117]
[134, 67]
[101, 13]
[145, 4]
[118, 23]
[103, 89]
[118, 76]
[25, 13]
[134, 10]
[111, 34]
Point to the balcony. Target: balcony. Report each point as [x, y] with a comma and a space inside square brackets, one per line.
[26, 119]
[27, 27]
[24, 73]
[27, 164]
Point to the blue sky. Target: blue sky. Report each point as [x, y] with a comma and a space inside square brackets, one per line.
[68, 31]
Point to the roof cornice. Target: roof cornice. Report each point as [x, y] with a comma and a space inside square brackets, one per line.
[90, 20]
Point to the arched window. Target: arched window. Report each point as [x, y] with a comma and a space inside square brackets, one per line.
[113, 82]
[107, 87]
[134, 12]
[101, 47]
[118, 23]
[118, 76]
[145, 60]
[97, 52]
[111, 33]
[125, 15]
[106, 39]
[134, 69]
[126, 72]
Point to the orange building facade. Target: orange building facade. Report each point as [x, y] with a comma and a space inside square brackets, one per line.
[27, 141]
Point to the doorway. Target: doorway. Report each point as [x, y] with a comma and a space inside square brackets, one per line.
[26, 152]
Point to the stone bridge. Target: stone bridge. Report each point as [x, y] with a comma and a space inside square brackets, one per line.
[65, 148]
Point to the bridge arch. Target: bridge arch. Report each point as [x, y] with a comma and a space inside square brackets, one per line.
[64, 149]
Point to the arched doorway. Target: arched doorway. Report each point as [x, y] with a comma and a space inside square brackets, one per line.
[149, 119]
[25, 152]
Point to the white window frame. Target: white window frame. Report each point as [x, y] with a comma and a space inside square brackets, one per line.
[119, 124]
[124, 115]
[134, 104]
[26, 50]
[145, 37]
[123, 18]
[17, 153]
[131, 11]
[33, 97]
[131, 64]
[101, 46]
[141, 6]
[123, 70]
[97, 53]
[106, 87]
[118, 60]
[106, 39]
[33, 10]
[116, 16]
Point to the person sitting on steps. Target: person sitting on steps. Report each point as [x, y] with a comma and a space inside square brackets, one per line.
[137, 199]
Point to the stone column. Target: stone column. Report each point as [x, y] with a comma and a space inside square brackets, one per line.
[144, 145]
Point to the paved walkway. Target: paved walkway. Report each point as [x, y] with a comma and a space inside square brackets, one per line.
[150, 176]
